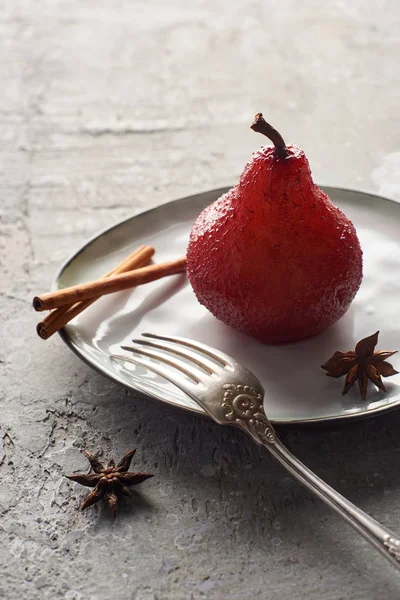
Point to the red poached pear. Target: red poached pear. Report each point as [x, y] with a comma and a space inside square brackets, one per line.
[273, 257]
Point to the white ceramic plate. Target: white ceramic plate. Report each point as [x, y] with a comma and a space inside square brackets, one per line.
[297, 389]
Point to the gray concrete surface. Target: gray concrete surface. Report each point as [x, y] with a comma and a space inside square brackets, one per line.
[107, 108]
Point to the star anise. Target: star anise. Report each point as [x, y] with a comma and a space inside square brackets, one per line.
[109, 482]
[363, 364]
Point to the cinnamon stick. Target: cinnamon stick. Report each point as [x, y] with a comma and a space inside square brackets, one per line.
[108, 285]
[59, 317]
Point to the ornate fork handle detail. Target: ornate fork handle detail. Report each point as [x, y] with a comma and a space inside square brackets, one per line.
[243, 407]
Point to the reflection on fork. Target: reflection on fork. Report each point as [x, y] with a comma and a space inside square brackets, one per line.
[232, 395]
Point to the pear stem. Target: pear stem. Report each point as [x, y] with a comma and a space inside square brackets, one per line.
[261, 126]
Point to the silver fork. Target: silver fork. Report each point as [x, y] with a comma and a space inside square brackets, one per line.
[231, 395]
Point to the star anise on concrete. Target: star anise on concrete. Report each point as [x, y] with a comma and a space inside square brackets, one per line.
[109, 482]
[362, 364]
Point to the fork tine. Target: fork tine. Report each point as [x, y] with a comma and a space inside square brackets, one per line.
[210, 367]
[186, 386]
[186, 369]
[223, 359]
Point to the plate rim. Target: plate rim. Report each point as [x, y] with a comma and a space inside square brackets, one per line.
[194, 410]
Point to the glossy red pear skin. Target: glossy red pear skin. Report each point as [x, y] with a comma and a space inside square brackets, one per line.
[273, 257]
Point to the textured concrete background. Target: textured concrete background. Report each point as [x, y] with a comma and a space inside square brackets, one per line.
[107, 108]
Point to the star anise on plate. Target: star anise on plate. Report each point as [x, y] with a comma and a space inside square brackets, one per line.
[361, 364]
[109, 482]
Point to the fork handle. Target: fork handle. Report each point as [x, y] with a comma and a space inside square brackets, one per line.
[379, 536]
